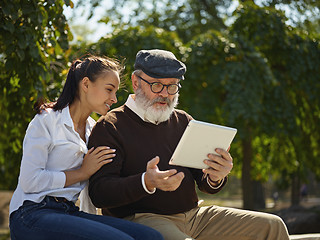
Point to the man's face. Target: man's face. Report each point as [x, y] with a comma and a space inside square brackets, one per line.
[158, 106]
[161, 99]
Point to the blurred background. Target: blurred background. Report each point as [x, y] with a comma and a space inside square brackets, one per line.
[252, 65]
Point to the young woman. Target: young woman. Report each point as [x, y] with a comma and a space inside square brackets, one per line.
[56, 163]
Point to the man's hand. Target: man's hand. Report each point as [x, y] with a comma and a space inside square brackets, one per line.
[168, 180]
[219, 166]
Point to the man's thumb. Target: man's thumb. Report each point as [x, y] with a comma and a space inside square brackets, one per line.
[153, 162]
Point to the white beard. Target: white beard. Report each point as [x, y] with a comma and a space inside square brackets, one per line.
[155, 114]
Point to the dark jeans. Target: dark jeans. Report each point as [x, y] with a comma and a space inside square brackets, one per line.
[52, 219]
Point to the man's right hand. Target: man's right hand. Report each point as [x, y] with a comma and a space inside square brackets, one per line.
[168, 180]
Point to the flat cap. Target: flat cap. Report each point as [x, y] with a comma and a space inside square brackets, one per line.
[158, 63]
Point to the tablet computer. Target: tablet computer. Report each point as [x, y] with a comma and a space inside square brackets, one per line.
[199, 139]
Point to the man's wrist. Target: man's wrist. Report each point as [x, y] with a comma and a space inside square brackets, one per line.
[214, 184]
[144, 185]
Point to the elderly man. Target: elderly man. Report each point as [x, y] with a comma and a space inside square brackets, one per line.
[141, 186]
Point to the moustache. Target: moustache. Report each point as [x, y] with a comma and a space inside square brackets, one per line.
[161, 99]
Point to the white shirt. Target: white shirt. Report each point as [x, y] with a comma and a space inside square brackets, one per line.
[50, 147]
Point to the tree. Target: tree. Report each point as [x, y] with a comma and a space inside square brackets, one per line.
[186, 18]
[294, 61]
[228, 82]
[33, 43]
[303, 14]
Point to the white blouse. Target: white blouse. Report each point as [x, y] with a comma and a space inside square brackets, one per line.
[50, 147]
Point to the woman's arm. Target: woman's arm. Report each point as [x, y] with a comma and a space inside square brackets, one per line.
[34, 177]
[92, 162]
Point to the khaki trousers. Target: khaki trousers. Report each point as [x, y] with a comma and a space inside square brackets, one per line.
[215, 223]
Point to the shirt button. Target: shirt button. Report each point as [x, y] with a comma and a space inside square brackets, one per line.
[79, 153]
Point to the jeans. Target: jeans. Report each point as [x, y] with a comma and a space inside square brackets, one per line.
[52, 220]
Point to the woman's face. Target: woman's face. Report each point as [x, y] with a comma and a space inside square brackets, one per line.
[102, 93]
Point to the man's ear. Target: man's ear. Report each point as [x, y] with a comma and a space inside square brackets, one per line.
[84, 84]
[135, 82]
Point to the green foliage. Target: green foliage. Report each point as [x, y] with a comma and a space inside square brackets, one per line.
[186, 18]
[233, 75]
[294, 58]
[228, 83]
[33, 40]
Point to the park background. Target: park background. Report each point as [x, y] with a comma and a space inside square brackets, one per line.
[252, 65]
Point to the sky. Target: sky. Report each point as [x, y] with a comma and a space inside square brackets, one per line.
[80, 18]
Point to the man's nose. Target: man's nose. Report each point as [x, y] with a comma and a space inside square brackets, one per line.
[164, 92]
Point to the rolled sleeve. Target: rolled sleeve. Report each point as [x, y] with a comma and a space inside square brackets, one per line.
[59, 179]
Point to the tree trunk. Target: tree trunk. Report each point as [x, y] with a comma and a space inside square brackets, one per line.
[295, 189]
[259, 196]
[247, 183]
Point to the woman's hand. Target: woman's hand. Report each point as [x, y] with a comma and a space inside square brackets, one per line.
[95, 159]
[92, 162]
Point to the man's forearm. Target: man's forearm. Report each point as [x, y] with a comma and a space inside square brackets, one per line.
[110, 192]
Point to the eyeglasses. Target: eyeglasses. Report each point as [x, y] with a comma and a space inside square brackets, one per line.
[157, 87]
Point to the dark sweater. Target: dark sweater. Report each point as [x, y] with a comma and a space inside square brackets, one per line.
[117, 186]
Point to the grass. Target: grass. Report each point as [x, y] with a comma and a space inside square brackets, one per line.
[4, 235]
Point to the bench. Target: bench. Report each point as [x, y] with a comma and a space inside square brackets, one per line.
[313, 236]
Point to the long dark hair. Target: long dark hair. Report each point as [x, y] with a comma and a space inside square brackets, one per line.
[91, 67]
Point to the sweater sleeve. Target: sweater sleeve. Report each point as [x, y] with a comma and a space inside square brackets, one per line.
[108, 188]
[203, 184]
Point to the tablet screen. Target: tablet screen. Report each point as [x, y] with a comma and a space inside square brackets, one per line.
[199, 139]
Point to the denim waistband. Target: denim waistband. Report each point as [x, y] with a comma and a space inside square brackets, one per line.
[58, 199]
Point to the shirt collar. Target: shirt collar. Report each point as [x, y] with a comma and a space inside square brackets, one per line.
[66, 117]
[130, 103]
[67, 120]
